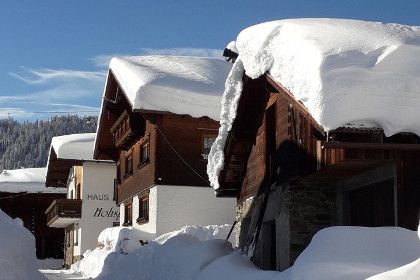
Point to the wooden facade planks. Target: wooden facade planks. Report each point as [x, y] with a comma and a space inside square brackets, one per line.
[175, 154]
[175, 145]
[141, 176]
[302, 147]
[30, 209]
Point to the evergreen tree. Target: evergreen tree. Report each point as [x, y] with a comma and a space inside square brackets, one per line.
[26, 145]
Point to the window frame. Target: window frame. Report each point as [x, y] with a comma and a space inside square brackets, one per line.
[144, 159]
[128, 213]
[128, 165]
[76, 234]
[204, 136]
[144, 208]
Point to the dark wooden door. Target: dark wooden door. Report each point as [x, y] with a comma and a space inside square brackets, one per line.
[372, 205]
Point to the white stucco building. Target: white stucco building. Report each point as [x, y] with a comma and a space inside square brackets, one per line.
[172, 207]
[158, 119]
[89, 207]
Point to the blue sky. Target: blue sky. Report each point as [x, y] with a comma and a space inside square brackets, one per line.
[54, 53]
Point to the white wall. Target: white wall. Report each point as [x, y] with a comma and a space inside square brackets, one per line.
[151, 225]
[99, 211]
[172, 207]
[71, 186]
[178, 206]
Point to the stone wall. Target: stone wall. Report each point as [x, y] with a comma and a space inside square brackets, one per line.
[293, 215]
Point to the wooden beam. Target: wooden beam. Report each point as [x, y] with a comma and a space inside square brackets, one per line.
[369, 146]
[297, 104]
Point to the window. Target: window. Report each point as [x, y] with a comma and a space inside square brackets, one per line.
[76, 234]
[128, 213]
[143, 208]
[128, 166]
[207, 143]
[118, 173]
[144, 154]
[78, 191]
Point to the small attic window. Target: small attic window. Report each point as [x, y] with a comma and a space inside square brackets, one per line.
[207, 143]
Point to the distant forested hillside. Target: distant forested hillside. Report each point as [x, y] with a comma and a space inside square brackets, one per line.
[25, 145]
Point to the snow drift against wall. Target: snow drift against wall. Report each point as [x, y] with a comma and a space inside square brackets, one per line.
[17, 251]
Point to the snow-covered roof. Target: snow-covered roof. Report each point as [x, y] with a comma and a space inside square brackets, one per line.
[346, 73]
[176, 84]
[74, 146]
[31, 180]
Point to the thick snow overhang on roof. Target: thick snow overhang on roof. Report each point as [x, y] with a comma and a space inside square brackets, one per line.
[178, 84]
[182, 85]
[74, 146]
[31, 180]
[345, 72]
[67, 151]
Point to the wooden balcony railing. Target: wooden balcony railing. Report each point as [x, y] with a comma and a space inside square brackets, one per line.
[122, 132]
[63, 210]
[126, 129]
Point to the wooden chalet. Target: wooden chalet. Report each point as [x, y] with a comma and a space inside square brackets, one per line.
[88, 207]
[160, 155]
[29, 204]
[150, 147]
[291, 178]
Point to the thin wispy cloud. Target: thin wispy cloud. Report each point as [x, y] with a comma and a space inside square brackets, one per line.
[102, 61]
[202, 52]
[52, 92]
[44, 75]
[16, 113]
[62, 93]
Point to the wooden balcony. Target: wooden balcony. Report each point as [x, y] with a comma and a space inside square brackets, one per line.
[63, 212]
[125, 131]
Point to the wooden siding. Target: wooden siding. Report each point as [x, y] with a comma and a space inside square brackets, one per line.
[185, 135]
[171, 137]
[30, 209]
[296, 148]
[408, 176]
[113, 105]
[302, 148]
[142, 177]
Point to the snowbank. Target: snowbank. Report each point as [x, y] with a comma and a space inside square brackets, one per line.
[410, 271]
[182, 253]
[176, 84]
[50, 264]
[202, 233]
[349, 253]
[17, 251]
[346, 72]
[344, 253]
[120, 240]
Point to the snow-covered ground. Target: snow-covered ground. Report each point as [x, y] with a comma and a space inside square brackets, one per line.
[197, 252]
